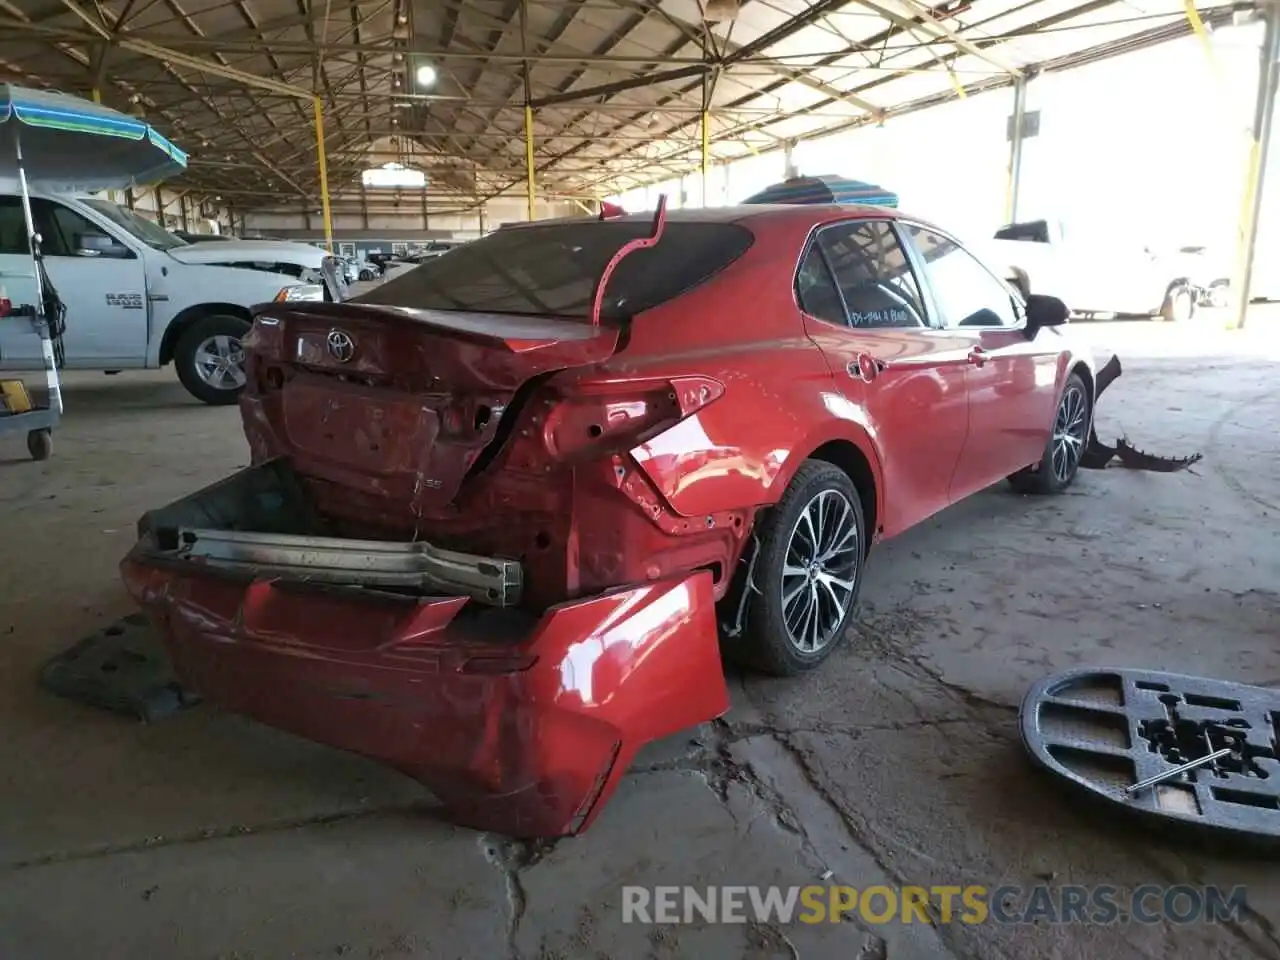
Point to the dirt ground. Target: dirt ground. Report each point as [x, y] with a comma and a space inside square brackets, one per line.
[898, 762]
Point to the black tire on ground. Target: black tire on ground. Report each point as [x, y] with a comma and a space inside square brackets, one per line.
[367, 275]
[184, 357]
[1179, 304]
[767, 642]
[1073, 415]
[40, 444]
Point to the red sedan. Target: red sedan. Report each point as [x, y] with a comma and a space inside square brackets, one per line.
[504, 509]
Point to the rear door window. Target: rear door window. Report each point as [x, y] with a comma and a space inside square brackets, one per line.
[553, 270]
[816, 289]
[873, 274]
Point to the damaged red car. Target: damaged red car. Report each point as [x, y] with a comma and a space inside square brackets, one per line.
[505, 510]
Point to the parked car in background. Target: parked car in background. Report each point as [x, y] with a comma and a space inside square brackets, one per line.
[350, 269]
[1094, 270]
[138, 296]
[1219, 265]
[367, 269]
[553, 469]
[432, 249]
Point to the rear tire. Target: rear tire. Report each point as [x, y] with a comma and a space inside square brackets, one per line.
[1058, 467]
[210, 359]
[806, 592]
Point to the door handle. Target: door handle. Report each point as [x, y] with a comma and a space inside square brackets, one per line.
[865, 367]
[977, 356]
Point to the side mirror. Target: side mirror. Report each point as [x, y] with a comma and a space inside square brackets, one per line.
[1043, 311]
[100, 245]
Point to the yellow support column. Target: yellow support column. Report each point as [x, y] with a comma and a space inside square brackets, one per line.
[528, 160]
[706, 155]
[324, 174]
[1260, 136]
[97, 95]
[1013, 182]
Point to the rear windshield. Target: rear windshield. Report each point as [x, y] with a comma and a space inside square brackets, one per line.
[552, 270]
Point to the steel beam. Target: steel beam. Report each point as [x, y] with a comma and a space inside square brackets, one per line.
[326, 212]
[1255, 172]
[1015, 150]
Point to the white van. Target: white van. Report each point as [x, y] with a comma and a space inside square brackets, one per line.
[138, 296]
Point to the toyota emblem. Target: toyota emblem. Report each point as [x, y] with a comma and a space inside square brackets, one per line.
[341, 347]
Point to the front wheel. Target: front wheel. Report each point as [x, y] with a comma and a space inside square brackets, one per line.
[808, 574]
[210, 359]
[1061, 461]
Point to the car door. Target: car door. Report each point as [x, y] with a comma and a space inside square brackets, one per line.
[904, 378]
[1012, 381]
[105, 292]
[19, 346]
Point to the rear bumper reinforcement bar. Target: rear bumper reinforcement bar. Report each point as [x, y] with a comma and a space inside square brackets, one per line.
[372, 563]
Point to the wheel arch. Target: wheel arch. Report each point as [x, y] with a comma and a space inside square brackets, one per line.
[1082, 368]
[850, 458]
[183, 321]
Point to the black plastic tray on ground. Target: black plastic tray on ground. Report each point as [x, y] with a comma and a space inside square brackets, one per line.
[123, 668]
[1104, 730]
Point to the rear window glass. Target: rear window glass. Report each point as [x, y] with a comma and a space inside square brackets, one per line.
[553, 270]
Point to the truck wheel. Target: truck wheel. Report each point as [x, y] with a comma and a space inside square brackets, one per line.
[210, 359]
[1179, 304]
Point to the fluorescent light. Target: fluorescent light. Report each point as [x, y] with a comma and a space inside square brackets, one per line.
[425, 75]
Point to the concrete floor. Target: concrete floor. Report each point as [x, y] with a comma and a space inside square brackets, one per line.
[206, 836]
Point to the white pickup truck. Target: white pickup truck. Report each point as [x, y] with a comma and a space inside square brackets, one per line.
[137, 296]
[1095, 271]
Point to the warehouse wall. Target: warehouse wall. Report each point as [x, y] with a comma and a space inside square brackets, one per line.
[351, 218]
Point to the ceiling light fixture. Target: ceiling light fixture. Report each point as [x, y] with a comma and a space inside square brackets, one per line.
[393, 175]
[425, 75]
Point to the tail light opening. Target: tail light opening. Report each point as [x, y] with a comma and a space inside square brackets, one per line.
[599, 419]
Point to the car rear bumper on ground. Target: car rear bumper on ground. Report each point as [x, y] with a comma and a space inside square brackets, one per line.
[521, 726]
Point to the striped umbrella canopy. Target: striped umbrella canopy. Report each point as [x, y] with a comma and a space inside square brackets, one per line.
[825, 189]
[69, 143]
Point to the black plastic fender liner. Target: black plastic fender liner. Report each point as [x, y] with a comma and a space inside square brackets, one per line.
[1102, 730]
[1097, 455]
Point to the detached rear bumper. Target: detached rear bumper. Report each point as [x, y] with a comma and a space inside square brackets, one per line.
[521, 726]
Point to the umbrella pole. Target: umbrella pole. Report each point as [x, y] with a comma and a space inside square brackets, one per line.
[41, 321]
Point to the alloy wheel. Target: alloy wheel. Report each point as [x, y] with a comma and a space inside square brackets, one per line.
[820, 571]
[219, 362]
[1070, 427]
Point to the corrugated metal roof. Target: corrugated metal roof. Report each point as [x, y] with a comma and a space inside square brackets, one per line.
[617, 86]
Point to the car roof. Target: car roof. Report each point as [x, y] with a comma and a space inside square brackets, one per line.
[753, 214]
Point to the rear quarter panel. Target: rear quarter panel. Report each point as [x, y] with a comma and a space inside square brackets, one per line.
[780, 402]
